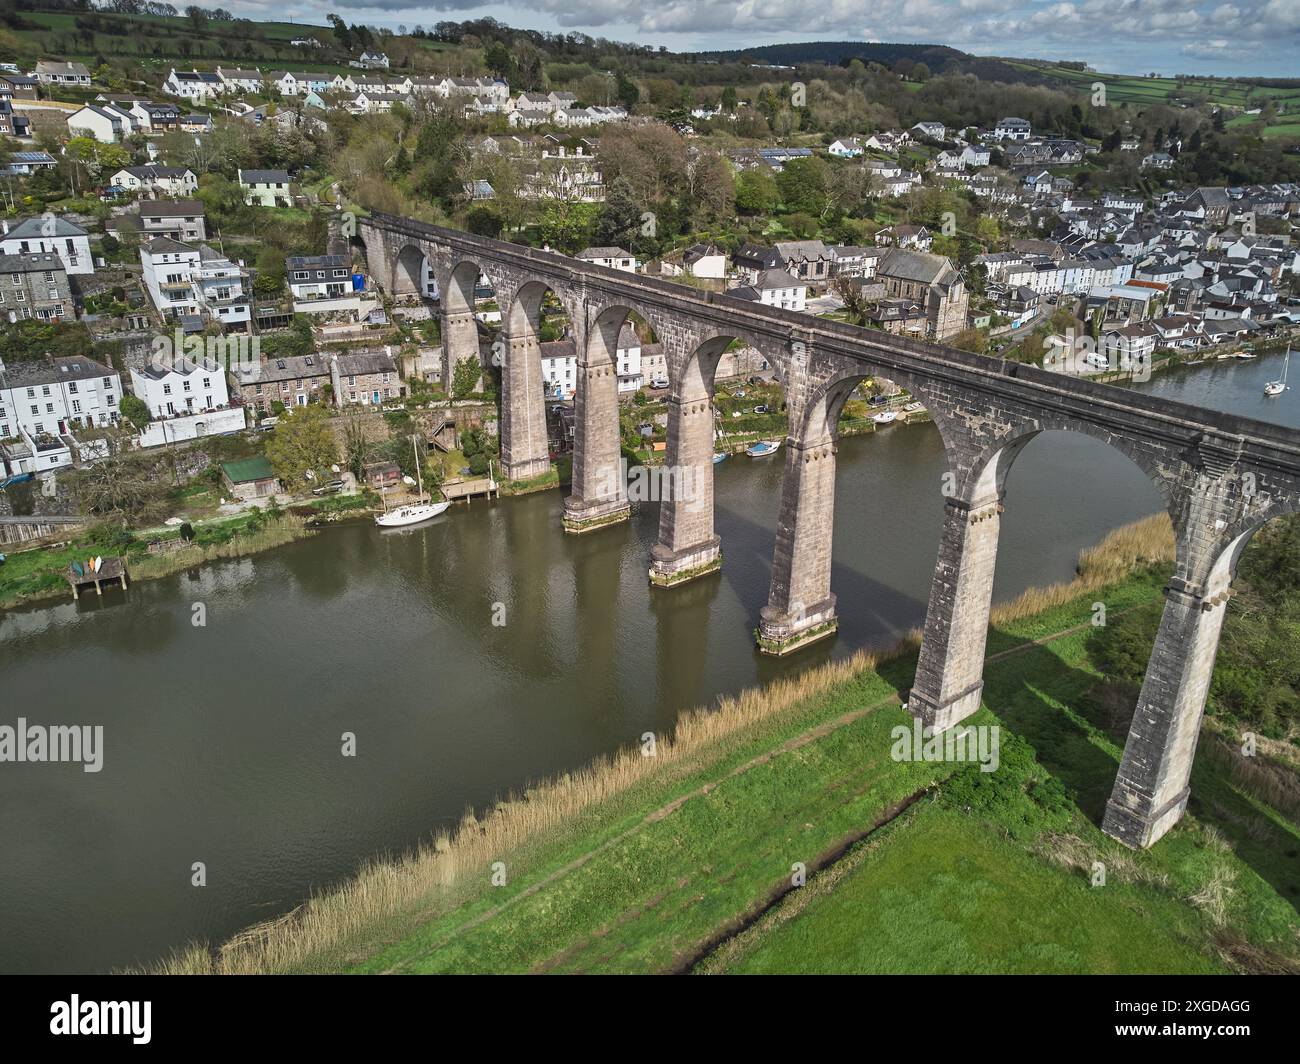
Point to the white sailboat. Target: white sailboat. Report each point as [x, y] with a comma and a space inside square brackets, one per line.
[1277, 387]
[412, 513]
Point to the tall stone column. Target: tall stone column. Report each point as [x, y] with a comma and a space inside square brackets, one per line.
[950, 670]
[1151, 789]
[687, 546]
[599, 490]
[800, 606]
[524, 450]
[459, 341]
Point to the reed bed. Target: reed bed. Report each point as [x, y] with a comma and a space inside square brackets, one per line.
[1145, 542]
[438, 874]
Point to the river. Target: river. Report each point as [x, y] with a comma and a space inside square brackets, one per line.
[222, 743]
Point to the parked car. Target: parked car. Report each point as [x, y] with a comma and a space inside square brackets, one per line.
[761, 408]
[332, 487]
[659, 382]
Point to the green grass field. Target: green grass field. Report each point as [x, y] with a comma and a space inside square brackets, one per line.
[939, 893]
[1121, 88]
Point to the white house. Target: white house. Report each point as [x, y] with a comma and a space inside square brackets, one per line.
[104, 122]
[560, 364]
[181, 386]
[169, 268]
[933, 130]
[371, 61]
[193, 85]
[706, 260]
[49, 72]
[49, 233]
[614, 258]
[846, 148]
[186, 281]
[266, 188]
[168, 180]
[1012, 129]
[240, 80]
[298, 82]
[774, 288]
[1157, 160]
[47, 398]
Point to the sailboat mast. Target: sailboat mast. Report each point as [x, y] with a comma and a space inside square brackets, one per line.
[419, 478]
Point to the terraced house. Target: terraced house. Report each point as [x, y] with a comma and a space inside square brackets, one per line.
[368, 378]
[34, 286]
[55, 395]
[165, 180]
[292, 381]
[49, 233]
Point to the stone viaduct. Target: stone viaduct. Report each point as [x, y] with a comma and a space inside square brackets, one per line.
[1221, 477]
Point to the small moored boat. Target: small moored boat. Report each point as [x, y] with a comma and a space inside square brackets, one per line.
[719, 456]
[885, 417]
[411, 515]
[1277, 387]
[763, 448]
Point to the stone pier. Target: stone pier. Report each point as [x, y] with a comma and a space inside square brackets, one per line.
[459, 342]
[1151, 790]
[950, 670]
[524, 451]
[598, 495]
[800, 607]
[687, 546]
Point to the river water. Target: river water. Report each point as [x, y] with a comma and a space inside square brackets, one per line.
[222, 744]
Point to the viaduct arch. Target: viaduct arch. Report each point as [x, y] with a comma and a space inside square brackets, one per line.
[1221, 476]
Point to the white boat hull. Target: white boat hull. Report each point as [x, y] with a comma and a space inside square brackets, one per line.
[411, 515]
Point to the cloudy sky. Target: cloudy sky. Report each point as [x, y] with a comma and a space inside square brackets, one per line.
[1242, 37]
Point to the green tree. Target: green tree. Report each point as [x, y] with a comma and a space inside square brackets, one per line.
[756, 192]
[628, 93]
[135, 410]
[465, 377]
[302, 442]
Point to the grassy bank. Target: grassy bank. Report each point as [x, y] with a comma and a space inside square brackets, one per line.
[35, 575]
[674, 862]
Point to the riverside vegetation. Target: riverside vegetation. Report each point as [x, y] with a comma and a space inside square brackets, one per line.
[683, 861]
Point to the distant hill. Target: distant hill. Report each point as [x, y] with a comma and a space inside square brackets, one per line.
[938, 57]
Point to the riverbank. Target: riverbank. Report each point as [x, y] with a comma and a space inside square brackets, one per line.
[37, 575]
[656, 863]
